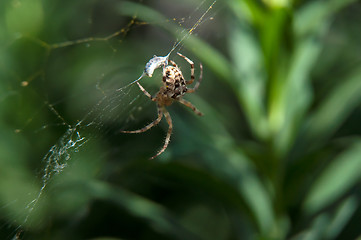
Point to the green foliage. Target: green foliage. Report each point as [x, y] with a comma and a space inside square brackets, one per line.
[277, 154]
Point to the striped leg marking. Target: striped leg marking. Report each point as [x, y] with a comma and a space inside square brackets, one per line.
[169, 133]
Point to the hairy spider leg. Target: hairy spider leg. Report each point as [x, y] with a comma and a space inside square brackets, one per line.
[173, 63]
[191, 106]
[165, 100]
[150, 125]
[191, 90]
[169, 133]
[146, 92]
[192, 68]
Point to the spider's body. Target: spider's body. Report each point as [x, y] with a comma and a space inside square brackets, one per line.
[173, 89]
[174, 85]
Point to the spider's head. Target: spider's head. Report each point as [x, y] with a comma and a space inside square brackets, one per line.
[155, 63]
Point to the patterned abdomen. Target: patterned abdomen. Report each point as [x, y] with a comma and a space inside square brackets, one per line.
[174, 83]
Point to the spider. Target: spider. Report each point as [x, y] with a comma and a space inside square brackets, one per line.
[173, 89]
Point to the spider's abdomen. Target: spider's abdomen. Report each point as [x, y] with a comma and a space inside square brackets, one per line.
[174, 83]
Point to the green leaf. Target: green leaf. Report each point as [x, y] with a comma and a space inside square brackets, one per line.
[297, 92]
[237, 168]
[335, 109]
[139, 206]
[329, 225]
[250, 77]
[315, 14]
[343, 214]
[25, 17]
[247, 10]
[341, 174]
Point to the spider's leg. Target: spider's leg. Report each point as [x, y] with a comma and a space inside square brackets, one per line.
[150, 125]
[192, 68]
[145, 92]
[190, 105]
[169, 133]
[190, 90]
[173, 63]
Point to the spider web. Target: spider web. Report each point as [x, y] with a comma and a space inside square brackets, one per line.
[73, 123]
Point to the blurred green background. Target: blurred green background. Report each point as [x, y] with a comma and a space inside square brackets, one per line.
[277, 154]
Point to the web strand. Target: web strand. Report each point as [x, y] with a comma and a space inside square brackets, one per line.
[163, 61]
[71, 141]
